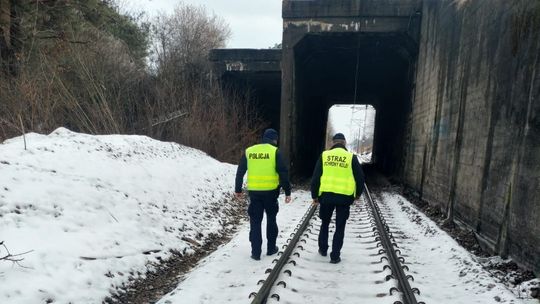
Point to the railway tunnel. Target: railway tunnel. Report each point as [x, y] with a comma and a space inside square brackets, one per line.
[352, 68]
[334, 52]
[347, 52]
[455, 85]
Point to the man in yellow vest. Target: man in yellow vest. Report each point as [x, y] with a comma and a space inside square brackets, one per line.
[336, 182]
[267, 173]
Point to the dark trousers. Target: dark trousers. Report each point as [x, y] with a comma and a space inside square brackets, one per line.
[260, 204]
[326, 209]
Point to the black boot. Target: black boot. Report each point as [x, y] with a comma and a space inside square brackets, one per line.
[273, 251]
[335, 261]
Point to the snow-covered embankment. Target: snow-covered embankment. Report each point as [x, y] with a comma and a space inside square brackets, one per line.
[95, 210]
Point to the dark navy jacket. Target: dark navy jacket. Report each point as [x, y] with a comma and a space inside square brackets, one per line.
[281, 170]
[338, 199]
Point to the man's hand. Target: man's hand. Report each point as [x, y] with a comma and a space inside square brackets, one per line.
[239, 196]
[287, 199]
[315, 202]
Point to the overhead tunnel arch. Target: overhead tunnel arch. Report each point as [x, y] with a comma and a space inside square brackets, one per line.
[351, 68]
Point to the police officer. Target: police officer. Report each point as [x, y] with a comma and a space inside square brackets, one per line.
[267, 173]
[337, 181]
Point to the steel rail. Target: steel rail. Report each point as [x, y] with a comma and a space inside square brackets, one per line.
[395, 265]
[263, 293]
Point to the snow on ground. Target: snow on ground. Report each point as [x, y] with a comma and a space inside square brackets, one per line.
[444, 271]
[358, 278]
[229, 275]
[90, 207]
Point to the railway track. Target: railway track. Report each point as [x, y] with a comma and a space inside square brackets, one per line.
[373, 268]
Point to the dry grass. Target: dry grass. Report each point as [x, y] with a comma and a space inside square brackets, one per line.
[98, 88]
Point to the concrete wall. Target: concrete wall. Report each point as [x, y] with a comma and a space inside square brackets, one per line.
[474, 143]
[245, 60]
[348, 8]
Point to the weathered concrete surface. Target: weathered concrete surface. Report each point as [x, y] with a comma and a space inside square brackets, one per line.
[349, 8]
[474, 144]
[245, 60]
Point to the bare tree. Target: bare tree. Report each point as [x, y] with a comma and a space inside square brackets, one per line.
[190, 107]
[184, 39]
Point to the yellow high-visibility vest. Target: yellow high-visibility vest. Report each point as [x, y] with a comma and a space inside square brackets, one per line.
[261, 166]
[337, 174]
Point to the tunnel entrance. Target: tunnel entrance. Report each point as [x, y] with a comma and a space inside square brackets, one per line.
[263, 90]
[357, 123]
[352, 68]
[254, 75]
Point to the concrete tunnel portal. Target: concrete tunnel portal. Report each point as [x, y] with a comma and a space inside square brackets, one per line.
[351, 68]
[333, 52]
[329, 68]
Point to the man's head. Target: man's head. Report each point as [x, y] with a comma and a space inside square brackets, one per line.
[270, 136]
[339, 138]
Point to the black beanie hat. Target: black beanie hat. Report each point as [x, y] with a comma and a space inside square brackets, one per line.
[338, 136]
[270, 134]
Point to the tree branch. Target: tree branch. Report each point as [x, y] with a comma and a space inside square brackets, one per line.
[14, 258]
